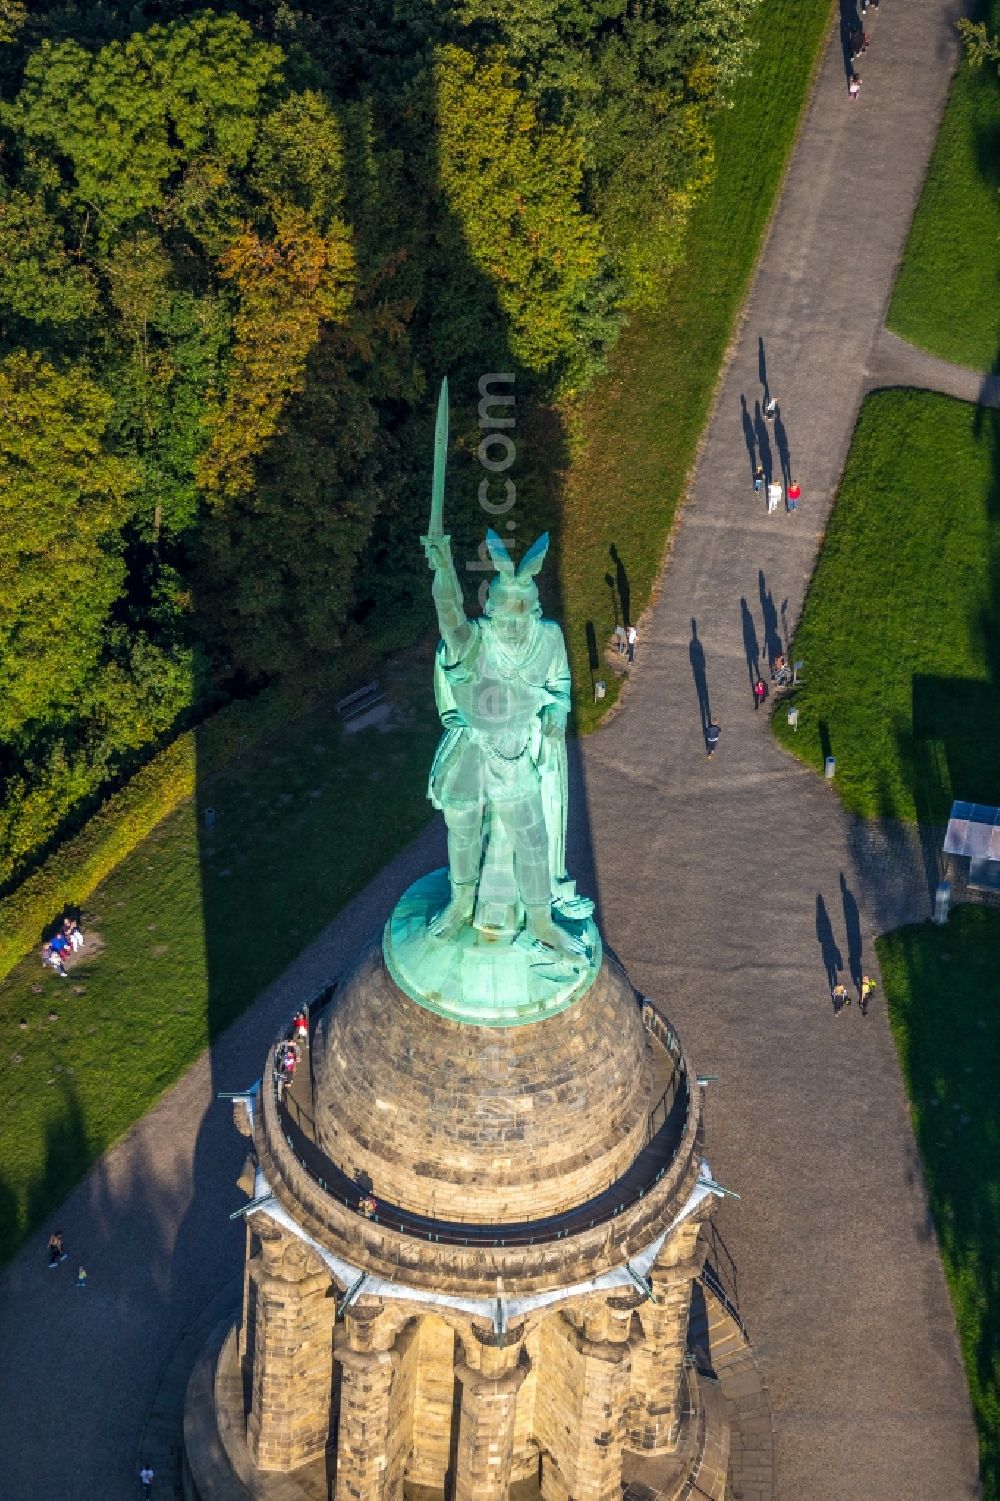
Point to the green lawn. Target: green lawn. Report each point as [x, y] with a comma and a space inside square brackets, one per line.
[947, 297]
[941, 990]
[641, 423]
[194, 925]
[900, 632]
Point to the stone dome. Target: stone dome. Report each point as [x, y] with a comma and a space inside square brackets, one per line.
[492, 1125]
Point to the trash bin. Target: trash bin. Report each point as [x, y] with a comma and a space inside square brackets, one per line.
[209, 818]
[830, 768]
[793, 718]
[600, 689]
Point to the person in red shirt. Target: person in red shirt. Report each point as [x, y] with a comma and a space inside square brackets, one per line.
[792, 494]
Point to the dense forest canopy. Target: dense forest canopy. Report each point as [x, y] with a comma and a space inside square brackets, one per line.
[238, 247]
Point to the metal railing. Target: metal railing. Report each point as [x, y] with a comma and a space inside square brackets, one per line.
[661, 1110]
[722, 1261]
[606, 1206]
[712, 1281]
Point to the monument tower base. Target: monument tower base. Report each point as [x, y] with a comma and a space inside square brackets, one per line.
[475, 1263]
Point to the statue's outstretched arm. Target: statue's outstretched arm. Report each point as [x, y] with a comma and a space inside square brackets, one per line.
[446, 590]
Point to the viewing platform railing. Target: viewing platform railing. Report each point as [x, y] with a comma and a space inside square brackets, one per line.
[667, 1124]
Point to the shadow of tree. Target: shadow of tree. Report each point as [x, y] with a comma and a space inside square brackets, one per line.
[949, 750]
[949, 1072]
[70, 1148]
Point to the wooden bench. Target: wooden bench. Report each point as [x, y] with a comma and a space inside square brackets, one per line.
[360, 700]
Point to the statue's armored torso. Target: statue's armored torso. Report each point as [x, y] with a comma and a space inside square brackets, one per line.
[491, 702]
[499, 693]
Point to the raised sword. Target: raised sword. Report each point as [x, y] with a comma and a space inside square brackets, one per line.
[435, 528]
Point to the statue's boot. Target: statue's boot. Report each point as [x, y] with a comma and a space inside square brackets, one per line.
[540, 926]
[568, 903]
[458, 912]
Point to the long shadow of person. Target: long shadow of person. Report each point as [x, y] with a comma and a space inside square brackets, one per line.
[750, 644]
[696, 654]
[852, 922]
[772, 639]
[609, 579]
[850, 22]
[850, 29]
[832, 958]
[763, 442]
[593, 653]
[621, 579]
[784, 454]
[762, 369]
[749, 436]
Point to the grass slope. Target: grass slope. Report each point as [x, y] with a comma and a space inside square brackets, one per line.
[900, 631]
[194, 925]
[946, 296]
[642, 421]
[944, 1008]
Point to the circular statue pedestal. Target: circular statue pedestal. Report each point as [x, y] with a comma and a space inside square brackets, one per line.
[488, 980]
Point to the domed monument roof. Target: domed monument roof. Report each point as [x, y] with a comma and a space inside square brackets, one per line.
[473, 1123]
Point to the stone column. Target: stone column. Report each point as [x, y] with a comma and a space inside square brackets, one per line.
[368, 1365]
[291, 1380]
[658, 1353]
[606, 1378]
[490, 1378]
[591, 1375]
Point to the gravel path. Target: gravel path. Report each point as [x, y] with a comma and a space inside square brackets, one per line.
[717, 880]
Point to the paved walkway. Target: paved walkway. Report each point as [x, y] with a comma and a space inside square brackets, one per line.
[894, 362]
[722, 880]
[714, 877]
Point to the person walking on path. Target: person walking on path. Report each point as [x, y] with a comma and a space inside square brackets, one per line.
[56, 1251]
[865, 992]
[146, 1477]
[758, 479]
[770, 409]
[81, 1277]
[620, 639]
[793, 495]
[841, 998]
[759, 693]
[631, 635]
[712, 733]
[854, 86]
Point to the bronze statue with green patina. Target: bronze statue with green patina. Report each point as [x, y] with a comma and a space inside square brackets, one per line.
[502, 686]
